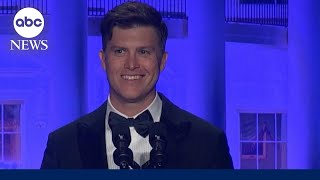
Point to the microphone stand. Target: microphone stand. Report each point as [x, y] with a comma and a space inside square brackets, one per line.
[123, 155]
[157, 139]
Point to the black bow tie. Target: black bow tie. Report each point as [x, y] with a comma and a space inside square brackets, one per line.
[140, 123]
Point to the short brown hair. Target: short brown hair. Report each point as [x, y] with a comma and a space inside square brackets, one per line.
[131, 14]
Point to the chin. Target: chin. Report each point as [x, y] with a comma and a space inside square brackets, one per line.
[132, 97]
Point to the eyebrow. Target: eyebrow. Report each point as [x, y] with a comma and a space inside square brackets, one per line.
[146, 47]
[117, 47]
[142, 47]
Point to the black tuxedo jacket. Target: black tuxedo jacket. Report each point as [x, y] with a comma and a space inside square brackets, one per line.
[191, 142]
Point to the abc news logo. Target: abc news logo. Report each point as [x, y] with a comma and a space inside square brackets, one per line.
[28, 23]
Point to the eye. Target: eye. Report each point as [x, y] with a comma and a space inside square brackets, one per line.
[119, 52]
[144, 52]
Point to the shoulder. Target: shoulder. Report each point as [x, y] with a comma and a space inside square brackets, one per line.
[90, 119]
[203, 143]
[198, 126]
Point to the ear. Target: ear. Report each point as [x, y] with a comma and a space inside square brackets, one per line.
[103, 59]
[163, 61]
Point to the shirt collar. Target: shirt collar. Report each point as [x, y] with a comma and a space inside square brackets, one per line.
[154, 108]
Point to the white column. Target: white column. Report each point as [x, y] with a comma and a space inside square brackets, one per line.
[206, 73]
[65, 63]
[304, 84]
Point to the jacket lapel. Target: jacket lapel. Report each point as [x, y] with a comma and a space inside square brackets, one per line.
[91, 140]
[91, 135]
[177, 127]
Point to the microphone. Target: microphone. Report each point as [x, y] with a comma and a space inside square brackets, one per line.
[157, 139]
[123, 155]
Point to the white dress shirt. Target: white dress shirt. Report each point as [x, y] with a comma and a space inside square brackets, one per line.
[139, 145]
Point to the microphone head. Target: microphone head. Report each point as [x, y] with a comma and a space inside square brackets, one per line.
[121, 136]
[123, 157]
[157, 132]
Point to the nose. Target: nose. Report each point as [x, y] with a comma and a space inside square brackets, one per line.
[131, 62]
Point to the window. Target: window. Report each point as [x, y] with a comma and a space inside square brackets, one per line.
[10, 145]
[263, 142]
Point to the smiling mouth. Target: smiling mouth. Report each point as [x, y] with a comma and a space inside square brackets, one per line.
[132, 77]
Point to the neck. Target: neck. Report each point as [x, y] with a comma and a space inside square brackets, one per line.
[131, 108]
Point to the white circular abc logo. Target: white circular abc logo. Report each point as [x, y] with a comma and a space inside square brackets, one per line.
[28, 22]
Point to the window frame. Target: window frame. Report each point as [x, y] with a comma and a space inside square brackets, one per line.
[264, 140]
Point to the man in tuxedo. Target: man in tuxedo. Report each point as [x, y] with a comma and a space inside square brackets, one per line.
[133, 55]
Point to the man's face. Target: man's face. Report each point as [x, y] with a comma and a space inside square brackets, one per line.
[133, 61]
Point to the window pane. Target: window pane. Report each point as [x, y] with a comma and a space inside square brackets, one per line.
[11, 147]
[266, 153]
[0, 118]
[282, 155]
[11, 117]
[266, 127]
[248, 156]
[281, 128]
[248, 126]
[0, 146]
